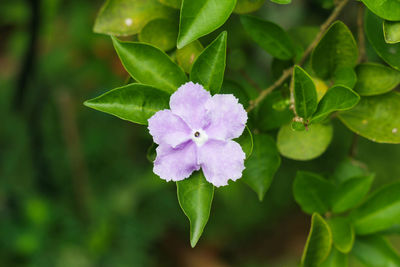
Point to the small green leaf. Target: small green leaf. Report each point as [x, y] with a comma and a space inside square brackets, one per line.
[345, 76]
[390, 53]
[200, 17]
[305, 145]
[195, 197]
[350, 193]
[149, 65]
[133, 102]
[305, 94]
[374, 251]
[282, 2]
[128, 17]
[270, 117]
[387, 9]
[336, 259]
[172, 3]
[209, 67]
[246, 142]
[312, 192]
[349, 168]
[151, 153]
[379, 212]
[269, 36]
[319, 243]
[161, 33]
[376, 79]
[337, 98]
[262, 165]
[187, 55]
[391, 30]
[336, 49]
[298, 126]
[376, 118]
[342, 234]
[232, 87]
[247, 6]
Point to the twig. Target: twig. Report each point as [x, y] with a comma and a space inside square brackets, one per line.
[360, 32]
[288, 72]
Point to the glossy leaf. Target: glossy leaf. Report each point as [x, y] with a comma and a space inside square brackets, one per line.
[342, 234]
[390, 53]
[172, 3]
[376, 118]
[149, 65]
[247, 6]
[305, 145]
[376, 79]
[269, 36]
[345, 76]
[161, 33]
[187, 55]
[379, 212]
[387, 9]
[246, 142]
[195, 197]
[305, 94]
[374, 251]
[336, 49]
[127, 17]
[391, 30]
[336, 98]
[209, 67]
[335, 259]
[262, 165]
[133, 102]
[350, 193]
[312, 192]
[200, 17]
[319, 243]
[269, 117]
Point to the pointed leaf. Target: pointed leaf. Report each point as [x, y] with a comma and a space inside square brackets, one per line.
[391, 30]
[305, 94]
[319, 243]
[336, 259]
[262, 165]
[342, 234]
[387, 9]
[247, 6]
[133, 102]
[195, 197]
[209, 67]
[161, 33]
[200, 17]
[269, 36]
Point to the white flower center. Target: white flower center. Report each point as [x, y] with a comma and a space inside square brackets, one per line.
[199, 137]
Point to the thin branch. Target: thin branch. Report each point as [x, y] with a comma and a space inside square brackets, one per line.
[360, 33]
[288, 72]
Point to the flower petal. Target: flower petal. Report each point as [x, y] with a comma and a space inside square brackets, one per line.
[188, 103]
[228, 117]
[167, 128]
[175, 164]
[221, 161]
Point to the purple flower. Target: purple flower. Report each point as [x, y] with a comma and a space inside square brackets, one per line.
[197, 133]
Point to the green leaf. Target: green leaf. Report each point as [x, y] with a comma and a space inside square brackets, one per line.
[390, 53]
[149, 65]
[387, 9]
[376, 118]
[319, 243]
[200, 17]
[336, 259]
[133, 102]
[128, 17]
[376, 79]
[187, 55]
[379, 212]
[262, 165]
[305, 145]
[375, 251]
[391, 30]
[209, 67]
[350, 193]
[345, 76]
[305, 94]
[349, 168]
[195, 197]
[342, 234]
[247, 6]
[312, 192]
[246, 142]
[151, 153]
[298, 126]
[336, 49]
[232, 87]
[282, 2]
[161, 33]
[337, 98]
[269, 36]
[172, 3]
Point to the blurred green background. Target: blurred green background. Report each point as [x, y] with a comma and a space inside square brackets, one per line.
[76, 188]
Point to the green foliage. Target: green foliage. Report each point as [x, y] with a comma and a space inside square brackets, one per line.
[342, 234]
[247, 6]
[187, 55]
[149, 65]
[282, 2]
[232, 87]
[391, 30]
[319, 243]
[246, 142]
[335, 259]
[195, 197]
[387, 9]
[305, 94]
[201, 17]
[345, 76]
[209, 67]
[161, 33]
[172, 3]
[133, 102]
[262, 165]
